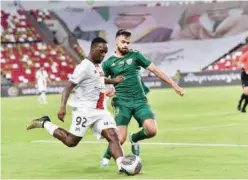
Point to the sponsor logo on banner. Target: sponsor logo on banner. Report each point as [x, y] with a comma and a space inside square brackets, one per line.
[50, 90]
[201, 78]
[13, 92]
[154, 84]
[216, 78]
[196, 79]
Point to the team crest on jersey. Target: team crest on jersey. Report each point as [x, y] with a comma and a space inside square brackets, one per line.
[129, 61]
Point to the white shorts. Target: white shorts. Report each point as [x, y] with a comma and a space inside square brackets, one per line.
[42, 88]
[85, 118]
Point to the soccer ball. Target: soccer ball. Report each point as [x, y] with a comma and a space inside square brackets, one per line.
[131, 165]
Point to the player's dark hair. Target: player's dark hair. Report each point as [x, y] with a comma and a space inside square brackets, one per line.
[123, 32]
[97, 40]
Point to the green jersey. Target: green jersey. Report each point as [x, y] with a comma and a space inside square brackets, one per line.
[128, 66]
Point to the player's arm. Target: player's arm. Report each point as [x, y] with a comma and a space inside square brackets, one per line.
[161, 75]
[47, 77]
[107, 73]
[110, 90]
[79, 74]
[65, 95]
[145, 63]
[114, 81]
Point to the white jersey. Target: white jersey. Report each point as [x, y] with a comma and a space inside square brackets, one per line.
[90, 88]
[41, 76]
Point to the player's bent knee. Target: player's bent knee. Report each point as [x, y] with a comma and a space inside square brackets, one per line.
[150, 127]
[110, 135]
[246, 91]
[72, 144]
[113, 136]
[151, 132]
[72, 141]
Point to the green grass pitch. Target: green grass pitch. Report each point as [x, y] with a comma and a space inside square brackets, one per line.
[198, 137]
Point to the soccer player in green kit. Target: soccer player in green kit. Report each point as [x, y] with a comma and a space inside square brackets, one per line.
[130, 98]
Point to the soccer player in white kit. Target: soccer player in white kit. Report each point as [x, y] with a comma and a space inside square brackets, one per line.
[41, 79]
[87, 104]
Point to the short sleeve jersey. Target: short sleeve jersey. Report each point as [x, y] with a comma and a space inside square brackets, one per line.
[41, 76]
[128, 66]
[90, 88]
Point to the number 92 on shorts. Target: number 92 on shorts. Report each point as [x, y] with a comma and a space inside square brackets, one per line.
[96, 119]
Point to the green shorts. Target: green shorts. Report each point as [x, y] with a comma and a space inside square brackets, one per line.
[124, 110]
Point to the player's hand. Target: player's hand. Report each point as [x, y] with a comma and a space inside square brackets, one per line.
[178, 89]
[62, 113]
[110, 92]
[118, 79]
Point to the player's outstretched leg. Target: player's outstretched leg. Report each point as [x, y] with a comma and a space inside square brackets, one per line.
[38, 123]
[61, 134]
[114, 145]
[149, 130]
[240, 101]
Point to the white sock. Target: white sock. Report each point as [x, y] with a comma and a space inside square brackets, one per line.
[43, 96]
[50, 127]
[118, 162]
[40, 99]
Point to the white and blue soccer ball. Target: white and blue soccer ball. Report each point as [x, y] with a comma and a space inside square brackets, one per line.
[131, 165]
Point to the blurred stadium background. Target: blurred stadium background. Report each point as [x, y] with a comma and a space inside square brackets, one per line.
[198, 44]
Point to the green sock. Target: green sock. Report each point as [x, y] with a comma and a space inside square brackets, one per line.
[107, 153]
[139, 136]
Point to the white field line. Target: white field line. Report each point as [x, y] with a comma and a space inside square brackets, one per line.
[201, 114]
[198, 127]
[153, 143]
[211, 113]
[133, 179]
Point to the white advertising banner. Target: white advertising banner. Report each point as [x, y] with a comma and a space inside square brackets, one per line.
[176, 37]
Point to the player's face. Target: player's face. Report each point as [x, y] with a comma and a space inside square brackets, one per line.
[99, 52]
[123, 43]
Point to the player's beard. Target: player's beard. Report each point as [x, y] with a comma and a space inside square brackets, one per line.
[123, 51]
[98, 62]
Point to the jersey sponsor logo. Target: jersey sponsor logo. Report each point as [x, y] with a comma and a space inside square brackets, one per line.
[121, 62]
[129, 61]
[77, 129]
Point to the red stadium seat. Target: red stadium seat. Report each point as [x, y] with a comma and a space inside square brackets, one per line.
[229, 62]
[9, 21]
[22, 63]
